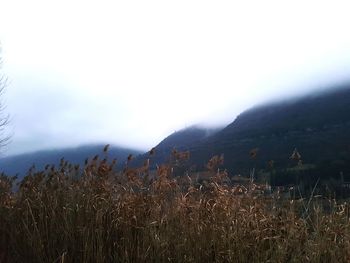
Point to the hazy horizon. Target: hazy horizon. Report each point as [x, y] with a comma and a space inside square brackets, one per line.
[132, 73]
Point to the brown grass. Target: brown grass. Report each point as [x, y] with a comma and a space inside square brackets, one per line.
[95, 214]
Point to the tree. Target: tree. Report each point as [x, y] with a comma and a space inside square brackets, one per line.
[4, 118]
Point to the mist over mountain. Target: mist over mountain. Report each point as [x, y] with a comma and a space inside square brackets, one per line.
[318, 125]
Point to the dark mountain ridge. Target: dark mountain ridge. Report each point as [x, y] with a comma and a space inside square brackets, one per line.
[19, 164]
[182, 140]
[317, 125]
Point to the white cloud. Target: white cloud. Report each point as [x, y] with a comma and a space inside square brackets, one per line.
[132, 71]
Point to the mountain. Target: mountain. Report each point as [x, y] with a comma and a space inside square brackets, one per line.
[19, 164]
[317, 125]
[181, 140]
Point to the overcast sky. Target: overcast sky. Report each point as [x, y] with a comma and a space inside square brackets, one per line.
[132, 72]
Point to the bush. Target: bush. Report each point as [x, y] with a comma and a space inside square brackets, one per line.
[95, 214]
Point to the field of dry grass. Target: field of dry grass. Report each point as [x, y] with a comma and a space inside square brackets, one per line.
[97, 214]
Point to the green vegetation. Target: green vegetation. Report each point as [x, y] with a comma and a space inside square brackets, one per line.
[96, 214]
